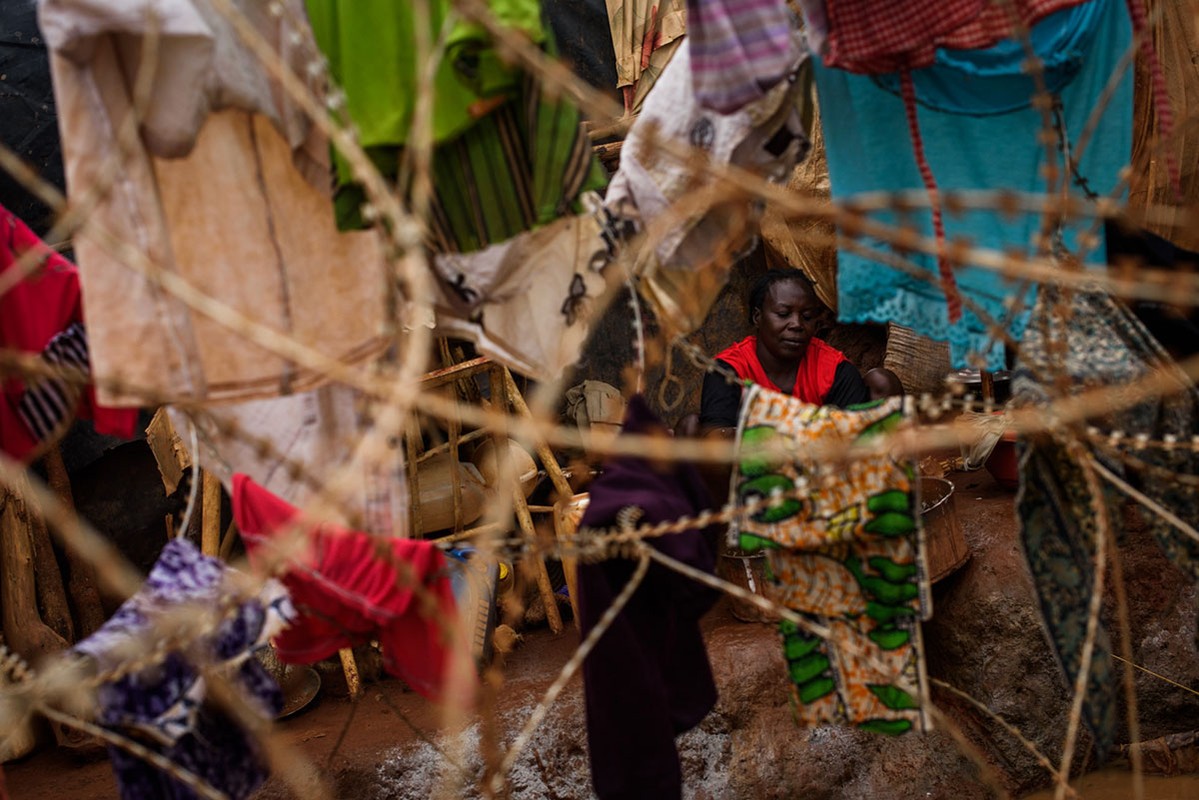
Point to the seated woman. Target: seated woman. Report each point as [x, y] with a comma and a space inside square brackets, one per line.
[783, 354]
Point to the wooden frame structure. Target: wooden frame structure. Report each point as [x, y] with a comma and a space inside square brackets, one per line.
[506, 396]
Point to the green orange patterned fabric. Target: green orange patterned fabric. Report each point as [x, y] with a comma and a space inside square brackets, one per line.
[845, 550]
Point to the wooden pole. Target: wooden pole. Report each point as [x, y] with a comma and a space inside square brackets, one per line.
[412, 439]
[23, 627]
[210, 532]
[561, 486]
[350, 667]
[227, 540]
[503, 394]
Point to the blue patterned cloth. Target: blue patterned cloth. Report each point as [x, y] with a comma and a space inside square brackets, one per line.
[979, 132]
[162, 706]
[1104, 346]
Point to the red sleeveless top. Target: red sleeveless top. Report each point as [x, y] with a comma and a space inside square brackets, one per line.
[813, 380]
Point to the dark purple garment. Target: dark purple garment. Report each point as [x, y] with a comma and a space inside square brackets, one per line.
[648, 678]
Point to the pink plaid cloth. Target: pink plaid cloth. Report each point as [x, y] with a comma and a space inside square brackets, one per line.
[739, 49]
[876, 36]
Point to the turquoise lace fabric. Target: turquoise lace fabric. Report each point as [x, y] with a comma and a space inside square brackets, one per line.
[980, 131]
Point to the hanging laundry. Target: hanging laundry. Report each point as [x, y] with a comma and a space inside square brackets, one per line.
[506, 158]
[648, 678]
[225, 186]
[311, 437]
[42, 314]
[645, 36]
[979, 131]
[1092, 341]
[163, 706]
[687, 267]
[585, 40]
[815, 24]
[739, 49]
[846, 552]
[528, 302]
[351, 587]
[876, 36]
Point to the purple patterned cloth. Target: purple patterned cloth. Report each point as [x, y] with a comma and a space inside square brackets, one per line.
[739, 49]
[162, 706]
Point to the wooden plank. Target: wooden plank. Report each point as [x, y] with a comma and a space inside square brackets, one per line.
[169, 453]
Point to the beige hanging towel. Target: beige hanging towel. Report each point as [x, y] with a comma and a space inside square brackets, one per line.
[645, 36]
[224, 182]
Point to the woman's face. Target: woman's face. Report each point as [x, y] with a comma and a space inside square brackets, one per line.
[788, 319]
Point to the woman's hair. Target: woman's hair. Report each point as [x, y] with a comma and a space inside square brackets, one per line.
[761, 287]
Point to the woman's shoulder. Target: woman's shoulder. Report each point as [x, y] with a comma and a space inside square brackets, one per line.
[734, 350]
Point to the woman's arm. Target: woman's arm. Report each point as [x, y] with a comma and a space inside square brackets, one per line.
[720, 403]
[848, 388]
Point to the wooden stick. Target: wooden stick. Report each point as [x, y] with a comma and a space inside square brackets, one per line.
[51, 593]
[23, 627]
[228, 539]
[82, 587]
[210, 533]
[455, 427]
[544, 587]
[503, 394]
[412, 440]
[350, 667]
[561, 486]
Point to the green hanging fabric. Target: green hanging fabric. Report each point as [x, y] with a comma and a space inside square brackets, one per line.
[506, 158]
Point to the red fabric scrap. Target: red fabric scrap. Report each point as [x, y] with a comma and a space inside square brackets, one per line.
[32, 312]
[349, 592]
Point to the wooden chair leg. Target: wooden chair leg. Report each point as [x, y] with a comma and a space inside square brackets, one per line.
[503, 395]
[544, 587]
[561, 486]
